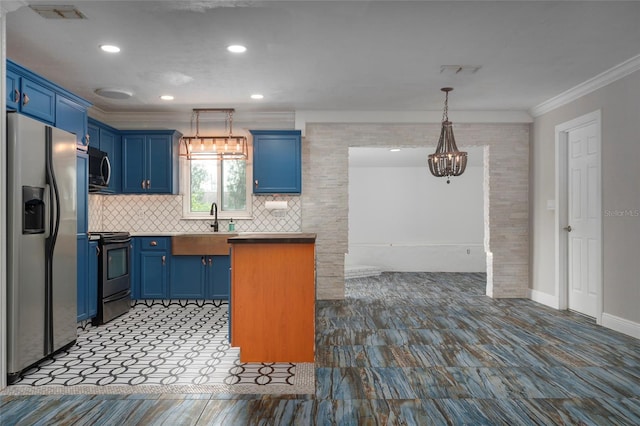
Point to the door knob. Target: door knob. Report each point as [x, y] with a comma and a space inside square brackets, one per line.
[567, 228]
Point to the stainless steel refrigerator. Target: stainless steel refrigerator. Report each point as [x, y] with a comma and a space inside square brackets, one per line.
[41, 241]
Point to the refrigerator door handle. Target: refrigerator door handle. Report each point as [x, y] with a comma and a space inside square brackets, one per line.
[47, 202]
[50, 244]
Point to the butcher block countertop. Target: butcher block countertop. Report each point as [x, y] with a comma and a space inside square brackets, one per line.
[277, 238]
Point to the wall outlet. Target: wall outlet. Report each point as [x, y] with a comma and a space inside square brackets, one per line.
[468, 251]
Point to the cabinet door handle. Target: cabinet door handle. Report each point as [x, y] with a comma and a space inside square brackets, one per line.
[87, 138]
[142, 184]
[97, 250]
[255, 182]
[148, 183]
[25, 99]
[16, 95]
[164, 260]
[153, 243]
[203, 262]
[210, 261]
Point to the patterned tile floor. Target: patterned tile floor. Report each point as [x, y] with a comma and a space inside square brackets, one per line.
[180, 343]
[415, 349]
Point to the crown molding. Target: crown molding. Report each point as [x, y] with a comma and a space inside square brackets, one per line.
[609, 76]
[138, 120]
[11, 5]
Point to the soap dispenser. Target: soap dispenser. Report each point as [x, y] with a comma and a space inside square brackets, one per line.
[232, 225]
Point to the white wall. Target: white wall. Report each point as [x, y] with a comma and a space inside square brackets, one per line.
[620, 106]
[404, 219]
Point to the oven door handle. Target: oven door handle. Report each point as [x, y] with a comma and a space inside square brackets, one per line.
[117, 296]
[117, 241]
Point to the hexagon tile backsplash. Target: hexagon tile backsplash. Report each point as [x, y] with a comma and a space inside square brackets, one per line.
[163, 213]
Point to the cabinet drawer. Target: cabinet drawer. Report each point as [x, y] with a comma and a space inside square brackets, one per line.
[154, 243]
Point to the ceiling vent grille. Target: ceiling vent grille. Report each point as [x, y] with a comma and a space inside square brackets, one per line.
[459, 69]
[58, 11]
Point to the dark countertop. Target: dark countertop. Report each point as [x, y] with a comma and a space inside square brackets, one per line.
[274, 238]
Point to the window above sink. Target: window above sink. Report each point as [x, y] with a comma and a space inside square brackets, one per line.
[225, 182]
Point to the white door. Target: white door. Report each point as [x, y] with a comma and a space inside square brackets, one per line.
[584, 216]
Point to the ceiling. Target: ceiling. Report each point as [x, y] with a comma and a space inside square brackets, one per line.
[326, 55]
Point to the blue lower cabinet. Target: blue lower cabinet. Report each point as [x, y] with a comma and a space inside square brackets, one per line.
[156, 274]
[218, 283]
[150, 267]
[92, 291]
[200, 277]
[87, 280]
[83, 277]
[188, 277]
[153, 273]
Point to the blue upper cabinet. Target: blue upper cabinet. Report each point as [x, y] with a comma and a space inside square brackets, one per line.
[35, 96]
[30, 98]
[13, 91]
[107, 139]
[134, 155]
[277, 162]
[150, 162]
[72, 117]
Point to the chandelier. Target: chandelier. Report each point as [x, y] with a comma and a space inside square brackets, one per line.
[447, 160]
[224, 147]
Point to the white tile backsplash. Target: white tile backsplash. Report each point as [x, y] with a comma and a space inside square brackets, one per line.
[163, 213]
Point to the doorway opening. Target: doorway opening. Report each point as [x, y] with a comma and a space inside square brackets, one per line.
[403, 219]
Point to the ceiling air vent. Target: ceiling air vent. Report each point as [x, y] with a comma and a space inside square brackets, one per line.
[58, 11]
[459, 69]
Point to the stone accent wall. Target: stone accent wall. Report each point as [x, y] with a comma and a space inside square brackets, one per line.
[325, 194]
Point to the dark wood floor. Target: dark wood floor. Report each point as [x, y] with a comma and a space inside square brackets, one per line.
[409, 348]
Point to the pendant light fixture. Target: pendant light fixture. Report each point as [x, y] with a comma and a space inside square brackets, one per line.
[447, 160]
[224, 147]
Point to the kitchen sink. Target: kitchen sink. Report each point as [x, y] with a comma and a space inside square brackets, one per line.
[201, 244]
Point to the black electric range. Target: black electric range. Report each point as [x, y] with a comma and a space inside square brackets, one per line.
[114, 275]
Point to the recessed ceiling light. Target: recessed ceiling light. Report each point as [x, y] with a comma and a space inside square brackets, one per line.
[257, 96]
[395, 150]
[110, 48]
[166, 97]
[236, 48]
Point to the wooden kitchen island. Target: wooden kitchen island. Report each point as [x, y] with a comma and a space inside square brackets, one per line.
[273, 297]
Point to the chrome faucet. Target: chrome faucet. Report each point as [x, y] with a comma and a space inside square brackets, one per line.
[214, 213]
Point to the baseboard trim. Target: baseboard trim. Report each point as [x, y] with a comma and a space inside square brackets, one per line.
[544, 298]
[622, 325]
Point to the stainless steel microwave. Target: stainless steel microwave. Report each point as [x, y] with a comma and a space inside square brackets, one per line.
[99, 169]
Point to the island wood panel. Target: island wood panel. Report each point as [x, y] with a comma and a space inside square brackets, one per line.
[273, 302]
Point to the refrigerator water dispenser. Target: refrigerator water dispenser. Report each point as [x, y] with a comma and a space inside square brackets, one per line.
[32, 210]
